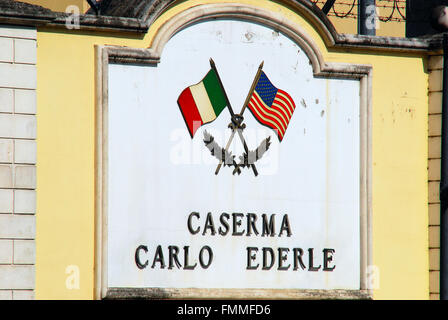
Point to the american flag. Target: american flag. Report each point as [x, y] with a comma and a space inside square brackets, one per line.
[272, 107]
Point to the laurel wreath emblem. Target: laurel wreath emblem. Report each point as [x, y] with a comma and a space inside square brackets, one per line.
[228, 159]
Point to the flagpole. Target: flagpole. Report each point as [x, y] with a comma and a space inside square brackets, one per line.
[240, 115]
[212, 64]
[236, 120]
[252, 88]
[251, 91]
[232, 114]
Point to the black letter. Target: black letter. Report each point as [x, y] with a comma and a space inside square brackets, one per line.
[251, 218]
[236, 224]
[298, 258]
[173, 251]
[310, 265]
[265, 263]
[190, 228]
[186, 266]
[158, 257]
[285, 226]
[268, 228]
[251, 257]
[224, 223]
[209, 224]
[210, 257]
[328, 257]
[282, 258]
[137, 257]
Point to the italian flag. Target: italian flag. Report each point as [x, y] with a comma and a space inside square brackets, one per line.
[203, 102]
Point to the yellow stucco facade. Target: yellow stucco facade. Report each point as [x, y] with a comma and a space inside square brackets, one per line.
[61, 5]
[65, 223]
[394, 27]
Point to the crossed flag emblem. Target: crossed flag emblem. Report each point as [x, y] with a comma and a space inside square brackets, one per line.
[203, 102]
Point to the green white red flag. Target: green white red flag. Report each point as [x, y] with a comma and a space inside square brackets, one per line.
[203, 102]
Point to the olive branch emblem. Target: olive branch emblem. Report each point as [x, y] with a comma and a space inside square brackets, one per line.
[227, 159]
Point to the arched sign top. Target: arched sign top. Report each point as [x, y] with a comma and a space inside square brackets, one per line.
[250, 13]
[149, 11]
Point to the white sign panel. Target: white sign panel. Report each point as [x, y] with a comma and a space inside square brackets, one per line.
[174, 223]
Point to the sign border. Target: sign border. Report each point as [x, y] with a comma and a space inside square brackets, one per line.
[151, 56]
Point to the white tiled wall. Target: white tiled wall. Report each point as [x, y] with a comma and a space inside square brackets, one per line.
[17, 162]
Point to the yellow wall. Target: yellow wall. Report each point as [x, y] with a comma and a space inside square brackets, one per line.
[343, 25]
[65, 169]
[60, 5]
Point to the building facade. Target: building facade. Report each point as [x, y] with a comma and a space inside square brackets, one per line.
[73, 94]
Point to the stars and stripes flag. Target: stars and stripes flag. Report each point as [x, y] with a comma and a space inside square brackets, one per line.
[271, 106]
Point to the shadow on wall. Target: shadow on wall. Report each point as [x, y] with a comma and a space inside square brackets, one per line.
[418, 17]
